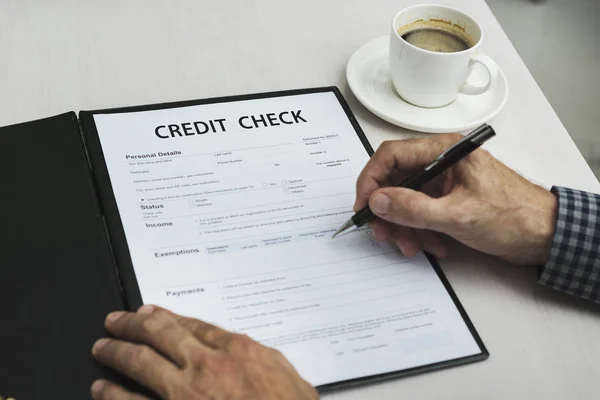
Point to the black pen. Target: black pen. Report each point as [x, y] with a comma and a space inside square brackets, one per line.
[448, 158]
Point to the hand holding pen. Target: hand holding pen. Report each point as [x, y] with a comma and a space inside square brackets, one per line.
[442, 162]
[479, 202]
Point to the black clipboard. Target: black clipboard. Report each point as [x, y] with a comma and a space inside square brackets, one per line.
[118, 239]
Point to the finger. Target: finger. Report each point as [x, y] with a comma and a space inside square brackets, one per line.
[402, 237]
[106, 390]
[410, 208]
[431, 243]
[208, 334]
[403, 155]
[406, 240]
[139, 362]
[383, 230]
[157, 328]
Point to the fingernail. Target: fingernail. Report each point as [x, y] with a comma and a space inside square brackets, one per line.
[380, 204]
[114, 316]
[97, 388]
[401, 248]
[145, 309]
[408, 249]
[100, 343]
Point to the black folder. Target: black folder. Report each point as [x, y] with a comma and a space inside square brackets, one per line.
[63, 267]
[57, 275]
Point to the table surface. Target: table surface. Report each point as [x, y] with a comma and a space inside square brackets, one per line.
[78, 54]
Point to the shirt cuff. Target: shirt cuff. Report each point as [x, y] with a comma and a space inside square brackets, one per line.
[574, 262]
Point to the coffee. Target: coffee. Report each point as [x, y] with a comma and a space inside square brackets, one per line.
[436, 39]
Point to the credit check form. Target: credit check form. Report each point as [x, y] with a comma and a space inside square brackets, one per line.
[228, 209]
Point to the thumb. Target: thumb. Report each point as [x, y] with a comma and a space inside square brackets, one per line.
[408, 208]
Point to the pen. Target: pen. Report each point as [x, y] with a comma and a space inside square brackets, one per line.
[448, 158]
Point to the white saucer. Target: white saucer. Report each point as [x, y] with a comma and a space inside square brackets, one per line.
[369, 79]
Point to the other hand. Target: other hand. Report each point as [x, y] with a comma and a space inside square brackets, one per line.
[479, 202]
[184, 358]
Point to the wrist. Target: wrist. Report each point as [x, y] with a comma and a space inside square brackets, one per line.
[545, 227]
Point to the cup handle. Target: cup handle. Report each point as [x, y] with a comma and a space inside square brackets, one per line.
[492, 70]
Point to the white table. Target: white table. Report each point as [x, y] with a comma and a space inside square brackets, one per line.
[65, 55]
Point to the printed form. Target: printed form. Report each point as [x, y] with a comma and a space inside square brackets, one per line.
[228, 210]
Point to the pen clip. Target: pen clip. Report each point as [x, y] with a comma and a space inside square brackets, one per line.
[468, 138]
[450, 150]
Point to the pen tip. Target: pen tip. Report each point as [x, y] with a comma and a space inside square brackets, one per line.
[347, 225]
[342, 229]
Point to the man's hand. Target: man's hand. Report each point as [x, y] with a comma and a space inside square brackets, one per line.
[184, 358]
[479, 202]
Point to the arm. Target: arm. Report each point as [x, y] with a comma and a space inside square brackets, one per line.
[573, 264]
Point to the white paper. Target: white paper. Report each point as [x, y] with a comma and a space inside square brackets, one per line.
[234, 227]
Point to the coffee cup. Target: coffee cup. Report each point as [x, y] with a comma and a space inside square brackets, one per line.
[433, 51]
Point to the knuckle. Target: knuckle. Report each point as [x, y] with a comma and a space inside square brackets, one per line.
[245, 339]
[242, 343]
[462, 218]
[385, 146]
[411, 210]
[240, 339]
[276, 354]
[155, 323]
[138, 356]
[483, 153]
[145, 355]
[212, 335]
[408, 202]
[405, 207]
[480, 158]
[385, 149]
[196, 357]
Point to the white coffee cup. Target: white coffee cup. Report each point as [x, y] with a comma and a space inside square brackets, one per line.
[433, 79]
